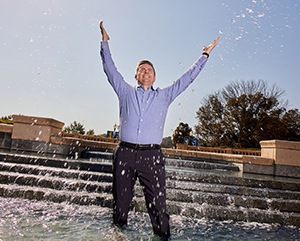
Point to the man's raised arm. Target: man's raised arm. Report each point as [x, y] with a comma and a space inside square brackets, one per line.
[188, 77]
[113, 76]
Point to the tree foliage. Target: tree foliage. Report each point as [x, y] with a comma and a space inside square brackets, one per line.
[182, 131]
[7, 120]
[244, 113]
[90, 132]
[291, 120]
[75, 128]
[166, 142]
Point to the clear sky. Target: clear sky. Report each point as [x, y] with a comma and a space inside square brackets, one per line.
[50, 65]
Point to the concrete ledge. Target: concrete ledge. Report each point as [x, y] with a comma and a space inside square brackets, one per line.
[202, 155]
[83, 143]
[257, 160]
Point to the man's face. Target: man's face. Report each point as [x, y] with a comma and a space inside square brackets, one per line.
[145, 76]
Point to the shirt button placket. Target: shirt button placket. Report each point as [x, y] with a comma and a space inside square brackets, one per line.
[141, 116]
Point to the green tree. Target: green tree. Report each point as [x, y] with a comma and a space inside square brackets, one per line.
[75, 128]
[241, 115]
[7, 120]
[291, 120]
[210, 126]
[182, 131]
[90, 132]
[166, 142]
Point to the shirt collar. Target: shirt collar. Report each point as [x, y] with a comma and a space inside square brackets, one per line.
[142, 87]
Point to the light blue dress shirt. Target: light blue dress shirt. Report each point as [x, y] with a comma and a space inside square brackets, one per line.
[143, 112]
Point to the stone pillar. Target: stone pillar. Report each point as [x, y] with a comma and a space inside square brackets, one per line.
[286, 156]
[35, 128]
[32, 135]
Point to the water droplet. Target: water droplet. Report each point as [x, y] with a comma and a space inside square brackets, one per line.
[249, 10]
[123, 172]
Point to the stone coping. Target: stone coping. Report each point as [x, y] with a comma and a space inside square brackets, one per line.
[219, 150]
[293, 145]
[82, 142]
[33, 120]
[257, 160]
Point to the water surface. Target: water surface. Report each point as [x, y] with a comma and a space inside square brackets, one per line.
[22, 219]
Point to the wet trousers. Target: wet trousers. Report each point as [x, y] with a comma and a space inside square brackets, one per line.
[149, 167]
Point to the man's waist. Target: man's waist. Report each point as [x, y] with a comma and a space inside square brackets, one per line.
[139, 147]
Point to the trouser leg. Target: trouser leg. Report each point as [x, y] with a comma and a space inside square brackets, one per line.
[150, 167]
[124, 177]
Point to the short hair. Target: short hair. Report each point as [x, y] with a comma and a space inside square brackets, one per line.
[144, 62]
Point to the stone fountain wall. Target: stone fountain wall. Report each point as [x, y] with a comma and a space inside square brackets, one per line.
[41, 136]
[220, 194]
[219, 186]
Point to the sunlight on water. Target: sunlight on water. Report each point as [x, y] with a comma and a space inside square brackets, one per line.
[30, 220]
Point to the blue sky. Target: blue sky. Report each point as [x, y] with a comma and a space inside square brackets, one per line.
[50, 65]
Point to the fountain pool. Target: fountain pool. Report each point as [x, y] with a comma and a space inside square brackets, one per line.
[22, 219]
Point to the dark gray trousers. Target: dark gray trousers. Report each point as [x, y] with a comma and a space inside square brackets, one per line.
[149, 167]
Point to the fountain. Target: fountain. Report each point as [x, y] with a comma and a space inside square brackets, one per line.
[200, 194]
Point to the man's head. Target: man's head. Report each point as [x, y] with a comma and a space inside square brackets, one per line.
[145, 73]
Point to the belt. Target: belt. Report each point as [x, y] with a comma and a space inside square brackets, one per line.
[139, 147]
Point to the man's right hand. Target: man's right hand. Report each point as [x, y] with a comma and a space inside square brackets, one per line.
[105, 36]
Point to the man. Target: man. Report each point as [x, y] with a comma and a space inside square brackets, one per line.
[143, 111]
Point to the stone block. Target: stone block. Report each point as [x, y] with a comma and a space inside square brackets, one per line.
[35, 128]
[287, 171]
[283, 152]
[259, 169]
[258, 165]
[33, 147]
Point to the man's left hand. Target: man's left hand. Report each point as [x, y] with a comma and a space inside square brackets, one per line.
[210, 47]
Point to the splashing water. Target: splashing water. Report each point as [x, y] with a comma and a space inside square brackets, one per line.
[30, 220]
